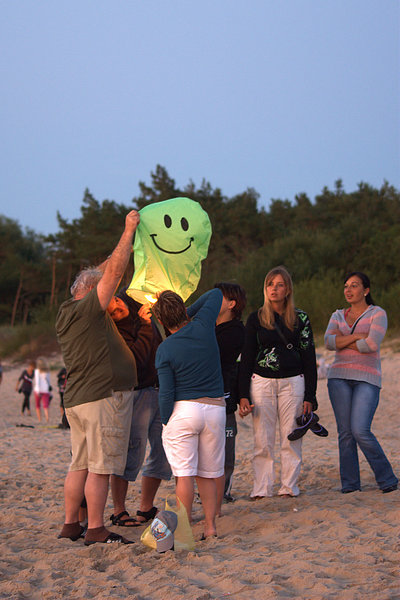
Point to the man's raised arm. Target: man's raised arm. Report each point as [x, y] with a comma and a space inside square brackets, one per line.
[118, 261]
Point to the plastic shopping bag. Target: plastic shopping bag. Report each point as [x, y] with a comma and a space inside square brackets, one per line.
[183, 536]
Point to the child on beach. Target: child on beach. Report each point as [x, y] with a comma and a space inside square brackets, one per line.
[25, 387]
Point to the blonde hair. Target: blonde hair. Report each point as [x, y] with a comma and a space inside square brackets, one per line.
[266, 312]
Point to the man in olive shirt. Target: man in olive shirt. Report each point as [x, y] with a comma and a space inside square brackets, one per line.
[98, 396]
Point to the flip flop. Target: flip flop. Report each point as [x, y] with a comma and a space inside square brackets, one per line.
[207, 537]
[73, 538]
[112, 538]
[304, 422]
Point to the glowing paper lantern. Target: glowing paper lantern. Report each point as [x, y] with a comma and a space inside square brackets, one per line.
[170, 242]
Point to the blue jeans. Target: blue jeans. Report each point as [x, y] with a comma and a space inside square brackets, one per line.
[146, 425]
[354, 404]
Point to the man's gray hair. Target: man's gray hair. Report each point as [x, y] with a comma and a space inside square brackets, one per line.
[86, 280]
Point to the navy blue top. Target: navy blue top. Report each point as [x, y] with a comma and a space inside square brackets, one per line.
[187, 361]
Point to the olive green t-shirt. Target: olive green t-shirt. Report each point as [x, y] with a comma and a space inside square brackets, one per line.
[96, 357]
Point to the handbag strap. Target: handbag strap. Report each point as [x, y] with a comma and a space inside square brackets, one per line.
[288, 345]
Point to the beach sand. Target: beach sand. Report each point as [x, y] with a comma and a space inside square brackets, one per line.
[322, 544]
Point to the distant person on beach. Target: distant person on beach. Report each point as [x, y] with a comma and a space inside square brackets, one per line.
[42, 388]
[277, 382]
[98, 397]
[191, 398]
[230, 332]
[61, 384]
[354, 382]
[142, 337]
[24, 386]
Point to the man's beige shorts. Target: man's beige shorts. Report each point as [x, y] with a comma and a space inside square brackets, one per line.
[100, 434]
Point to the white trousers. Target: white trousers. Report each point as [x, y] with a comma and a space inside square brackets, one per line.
[276, 400]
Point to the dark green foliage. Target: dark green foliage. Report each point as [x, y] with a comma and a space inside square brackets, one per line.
[24, 273]
[317, 241]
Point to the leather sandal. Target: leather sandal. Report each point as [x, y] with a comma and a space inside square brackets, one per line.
[148, 515]
[120, 522]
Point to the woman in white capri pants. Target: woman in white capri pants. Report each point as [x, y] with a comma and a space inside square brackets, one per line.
[191, 398]
[277, 382]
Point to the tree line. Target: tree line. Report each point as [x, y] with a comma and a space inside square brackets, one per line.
[318, 241]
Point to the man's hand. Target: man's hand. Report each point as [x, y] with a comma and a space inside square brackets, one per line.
[132, 220]
[144, 312]
[245, 407]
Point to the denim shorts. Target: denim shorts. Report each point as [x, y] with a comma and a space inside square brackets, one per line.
[146, 425]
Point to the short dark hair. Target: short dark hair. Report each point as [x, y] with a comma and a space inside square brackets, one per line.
[365, 283]
[233, 291]
[170, 309]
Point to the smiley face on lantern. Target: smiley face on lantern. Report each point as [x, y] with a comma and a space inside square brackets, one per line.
[170, 242]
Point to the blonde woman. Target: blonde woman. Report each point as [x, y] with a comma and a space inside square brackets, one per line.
[42, 388]
[277, 382]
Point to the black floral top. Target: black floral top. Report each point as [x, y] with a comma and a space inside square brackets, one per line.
[265, 353]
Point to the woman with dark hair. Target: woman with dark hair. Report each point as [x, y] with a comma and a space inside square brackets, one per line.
[354, 382]
[25, 387]
[278, 373]
[191, 398]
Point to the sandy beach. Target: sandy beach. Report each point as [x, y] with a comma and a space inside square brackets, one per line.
[322, 544]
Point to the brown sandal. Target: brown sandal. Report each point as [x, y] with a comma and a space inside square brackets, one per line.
[120, 522]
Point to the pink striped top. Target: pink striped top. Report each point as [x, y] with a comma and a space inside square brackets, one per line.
[363, 364]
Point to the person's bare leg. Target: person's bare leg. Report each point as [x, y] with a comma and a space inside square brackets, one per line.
[119, 489]
[83, 516]
[39, 416]
[185, 492]
[208, 494]
[46, 414]
[96, 491]
[220, 483]
[73, 493]
[148, 492]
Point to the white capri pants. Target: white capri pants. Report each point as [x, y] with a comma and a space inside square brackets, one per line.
[194, 439]
[276, 400]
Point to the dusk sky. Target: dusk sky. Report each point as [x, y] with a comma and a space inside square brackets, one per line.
[285, 97]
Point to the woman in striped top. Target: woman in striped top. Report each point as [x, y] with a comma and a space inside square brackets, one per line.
[354, 382]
